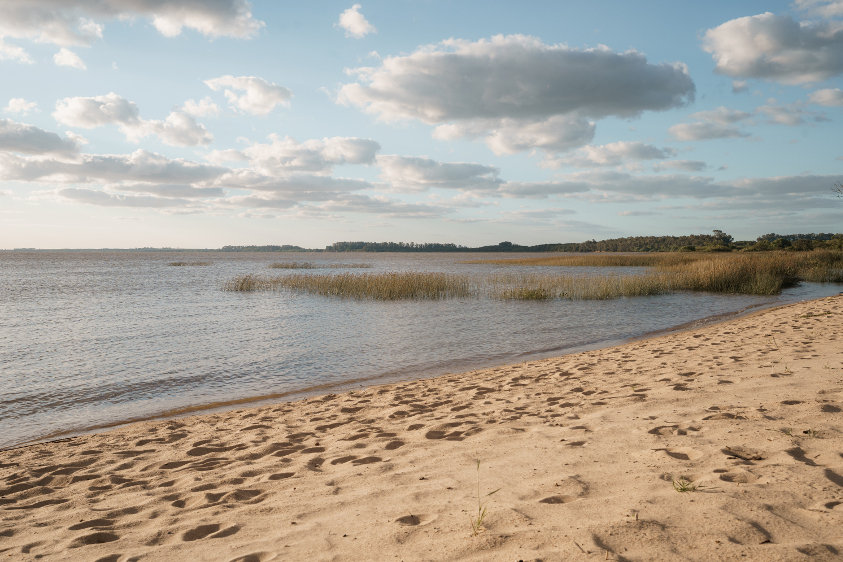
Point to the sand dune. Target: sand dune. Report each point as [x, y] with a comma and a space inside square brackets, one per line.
[586, 450]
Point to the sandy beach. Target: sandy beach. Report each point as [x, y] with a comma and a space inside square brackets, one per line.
[587, 453]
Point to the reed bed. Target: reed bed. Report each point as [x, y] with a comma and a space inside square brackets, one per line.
[189, 263]
[754, 274]
[370, 286]
[600, 260]
[309, 265]
[574, 287]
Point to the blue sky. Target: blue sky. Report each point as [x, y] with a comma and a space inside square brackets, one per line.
[198, 124]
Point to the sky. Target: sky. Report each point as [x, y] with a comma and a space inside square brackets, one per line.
[198, 124]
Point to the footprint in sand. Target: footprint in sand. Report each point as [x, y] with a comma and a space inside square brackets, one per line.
[559, 499]
[255, 557]
[684, 453]
[392, 445]
[94, 538]
[281, 475]
[92, 523]
[211, 531]
[738, 477]
[415, 520]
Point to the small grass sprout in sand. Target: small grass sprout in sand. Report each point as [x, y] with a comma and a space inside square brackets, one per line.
[477, 522]
[684, 485]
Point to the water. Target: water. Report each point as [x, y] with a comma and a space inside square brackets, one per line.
[93, 339]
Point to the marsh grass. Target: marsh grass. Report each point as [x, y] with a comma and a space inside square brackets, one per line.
[751, 273]
[309, 265]
[599, 260]
[189, 263]
[372, 286]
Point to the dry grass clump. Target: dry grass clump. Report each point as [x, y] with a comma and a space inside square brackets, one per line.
[575, 287]
[309, 265]
[249, 282]
[374, 286]
[189, 263]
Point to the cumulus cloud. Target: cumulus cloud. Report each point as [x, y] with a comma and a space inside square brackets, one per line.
[72, 22]
[791, 115]
[177, 129]
[260, 96]
[28, 139]
[140, 166]
[284, 155]
[13, 52]
[202, 108]
[823, 8]
[829, 97]
[104, 199]
[66, 57]
[718, 123]
[777, 48]
[739, 86]
[612, 154]
[354, 24]
[410, 174]
[20, 105]
[681, 165]
[516, 92]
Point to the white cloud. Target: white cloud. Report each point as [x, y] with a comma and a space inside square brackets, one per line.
[260, 98]
[824, 8]
[721, 115]
[718, 123]
[681, 165]
[202, 108]
[284, 155]
[516, 92]
[777, 48]
[140, 166]
[408, 174]
[104, 199]
[177, 129]
[790, 115]
[71, 22]
[829, 97]
[13, 52]
[28, 139]
[354, 24]
[704, 131]
[612, 154]
[739, 86]
[638, 214]
[66, 57]
[20, 105]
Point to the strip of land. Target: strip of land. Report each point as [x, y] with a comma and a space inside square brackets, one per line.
[719, 443]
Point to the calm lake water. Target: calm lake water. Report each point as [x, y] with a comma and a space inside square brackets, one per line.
[90, 339]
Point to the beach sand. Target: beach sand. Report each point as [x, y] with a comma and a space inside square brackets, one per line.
[585, 452]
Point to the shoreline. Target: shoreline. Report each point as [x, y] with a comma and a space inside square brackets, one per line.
[378, 380]
[585, 450]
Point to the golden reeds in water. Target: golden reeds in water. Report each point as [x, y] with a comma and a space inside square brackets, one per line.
[743, 273]
[309, 265]
[189, 263]
[374, 286]
[599, 260]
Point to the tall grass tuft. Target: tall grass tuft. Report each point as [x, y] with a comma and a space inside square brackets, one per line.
[309, 265]
[374, 286]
